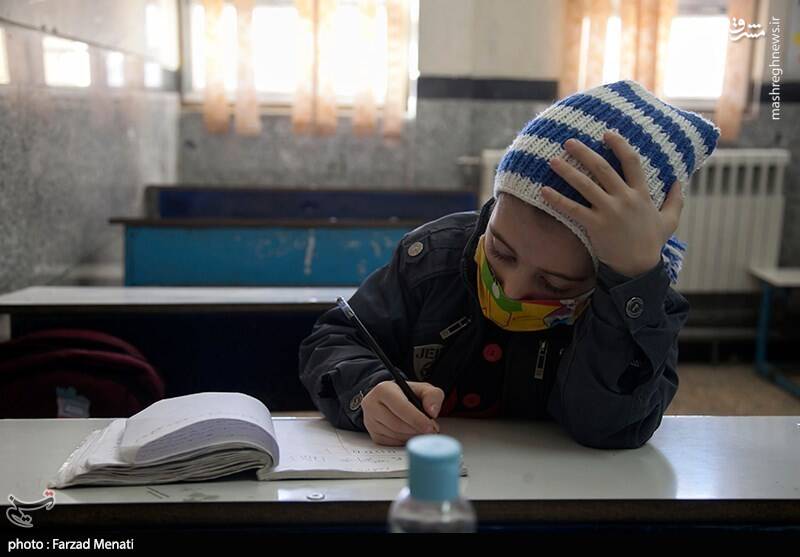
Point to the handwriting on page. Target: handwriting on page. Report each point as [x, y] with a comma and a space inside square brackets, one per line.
[315, 444]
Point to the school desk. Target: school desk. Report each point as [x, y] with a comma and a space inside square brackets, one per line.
[697, 473]
[198, 339]
[775, 283]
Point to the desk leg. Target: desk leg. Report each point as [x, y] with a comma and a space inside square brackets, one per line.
[762, 334]
[763, 367]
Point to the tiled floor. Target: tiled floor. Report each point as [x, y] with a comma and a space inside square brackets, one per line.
[730, 390]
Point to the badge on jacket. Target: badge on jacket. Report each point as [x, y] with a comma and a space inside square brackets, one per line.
[424, 356]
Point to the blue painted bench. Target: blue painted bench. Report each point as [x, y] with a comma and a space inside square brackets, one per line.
[205, 202]
[191, 252]
[273, 237]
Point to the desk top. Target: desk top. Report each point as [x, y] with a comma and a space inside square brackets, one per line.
[694, 467]
[38, 299]
[780, 277]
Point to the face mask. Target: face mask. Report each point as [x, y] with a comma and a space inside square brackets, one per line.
[522, 315]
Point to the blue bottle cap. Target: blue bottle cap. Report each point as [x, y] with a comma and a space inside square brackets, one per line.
[434, 466]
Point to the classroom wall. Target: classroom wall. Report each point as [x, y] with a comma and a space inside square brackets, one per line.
[70, 158]
[458, 39]
[469, 52]
[760, 130]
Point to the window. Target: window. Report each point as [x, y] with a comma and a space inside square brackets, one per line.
[197, 73]
[161, 32]
[276, 28]
[703, 24]
[695, 59]
[115, 69]
[3, 59]
[152, 75]
[154, 27]
[66, 63]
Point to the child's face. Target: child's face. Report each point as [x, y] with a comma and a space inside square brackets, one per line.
[533, 255]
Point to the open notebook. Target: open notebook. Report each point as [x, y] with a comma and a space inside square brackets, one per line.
[209, 435]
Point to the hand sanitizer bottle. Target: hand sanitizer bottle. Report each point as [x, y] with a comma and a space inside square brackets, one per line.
[431, 501]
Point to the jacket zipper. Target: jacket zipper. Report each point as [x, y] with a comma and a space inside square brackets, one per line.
[450, 330]
[541, 358]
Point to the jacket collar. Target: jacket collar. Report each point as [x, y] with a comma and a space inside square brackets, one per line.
[469, 268]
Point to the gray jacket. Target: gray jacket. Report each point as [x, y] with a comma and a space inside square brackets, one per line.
[607, 379]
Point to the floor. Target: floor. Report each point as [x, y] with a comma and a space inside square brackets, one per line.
[730, 390]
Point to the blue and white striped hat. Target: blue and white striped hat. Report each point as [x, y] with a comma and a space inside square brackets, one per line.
[672, 144]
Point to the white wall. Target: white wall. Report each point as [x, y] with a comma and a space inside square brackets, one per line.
[513, 39]
[520, 39]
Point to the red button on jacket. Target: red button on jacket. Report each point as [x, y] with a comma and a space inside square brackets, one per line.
[471, 400]
[492, 352]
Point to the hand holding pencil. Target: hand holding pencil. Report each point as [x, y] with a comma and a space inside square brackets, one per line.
[394, 411]
[391, 419]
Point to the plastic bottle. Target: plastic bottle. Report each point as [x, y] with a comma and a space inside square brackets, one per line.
[431, 501]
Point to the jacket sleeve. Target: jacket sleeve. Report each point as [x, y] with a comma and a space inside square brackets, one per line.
[619, 373]
[336, 366]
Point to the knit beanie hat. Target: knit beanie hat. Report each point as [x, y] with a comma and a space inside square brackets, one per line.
[672, 144]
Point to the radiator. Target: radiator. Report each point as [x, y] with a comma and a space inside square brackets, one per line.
[732, 217]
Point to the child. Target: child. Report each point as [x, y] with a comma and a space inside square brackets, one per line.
[552, 302]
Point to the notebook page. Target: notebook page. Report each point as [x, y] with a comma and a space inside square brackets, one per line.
[312, 448]
[169, 416]
[207, 436]
[105, 451]
[99, 447]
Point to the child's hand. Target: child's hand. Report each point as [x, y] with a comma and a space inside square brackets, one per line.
[391, 419]
[626, 229]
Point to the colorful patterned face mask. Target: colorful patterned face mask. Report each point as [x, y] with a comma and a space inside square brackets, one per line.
[522, 315]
